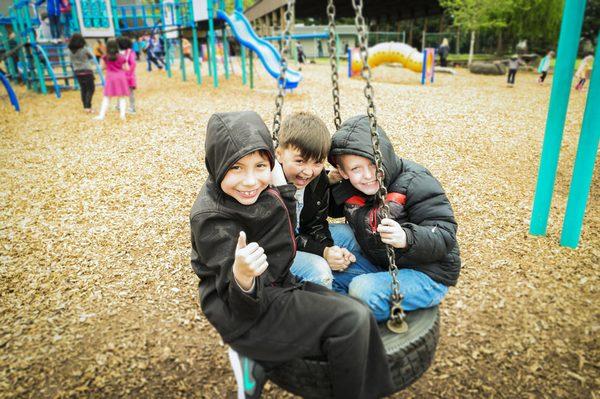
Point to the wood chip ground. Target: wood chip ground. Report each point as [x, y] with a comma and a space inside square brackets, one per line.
[97, 297]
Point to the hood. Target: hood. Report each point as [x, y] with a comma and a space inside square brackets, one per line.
[354, 137]
[231, 136]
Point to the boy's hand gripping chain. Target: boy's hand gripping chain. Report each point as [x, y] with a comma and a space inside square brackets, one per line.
[282, 71]
[397, 322]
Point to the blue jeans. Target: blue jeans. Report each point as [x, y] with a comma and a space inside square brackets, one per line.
[314, 268]
[372, 285]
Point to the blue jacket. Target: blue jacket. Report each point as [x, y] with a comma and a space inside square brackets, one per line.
[53, 6]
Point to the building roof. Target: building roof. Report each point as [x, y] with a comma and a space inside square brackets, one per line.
[395, 9]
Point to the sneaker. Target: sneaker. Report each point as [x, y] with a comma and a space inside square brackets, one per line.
[131, 111]
[98, 118]
[249, 375]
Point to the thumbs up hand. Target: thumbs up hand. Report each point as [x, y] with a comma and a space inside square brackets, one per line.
[250, 261]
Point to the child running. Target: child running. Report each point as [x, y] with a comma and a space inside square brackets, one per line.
[81, 60]
[545, 66]
[421, 225]
[115, 81]
[584, 71]
[125, 45]
[304, 143]
[242, 248]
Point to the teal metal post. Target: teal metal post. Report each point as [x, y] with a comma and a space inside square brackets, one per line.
[74, 18]
[113, 6]
[584, 161]
[181, 57]
[225, 43]
[36, 59]
[195, 51]
[165, 40]
[568, 44]
[12, 67]
[251, 62]
[211, 44]
[240, 8]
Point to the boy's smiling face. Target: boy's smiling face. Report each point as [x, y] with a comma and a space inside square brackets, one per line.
[361, 172]
[298, 170]
[247, 178]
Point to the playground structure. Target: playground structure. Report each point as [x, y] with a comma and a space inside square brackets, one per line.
[33, 62]
[168, 18]
[393, 52]
[587, 149]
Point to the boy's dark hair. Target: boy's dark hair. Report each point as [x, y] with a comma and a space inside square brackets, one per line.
[307, 133]
[76, 42]
[124, 42]
[112, 49]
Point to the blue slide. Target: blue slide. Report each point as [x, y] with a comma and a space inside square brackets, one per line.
[268, 54]
[11, 94]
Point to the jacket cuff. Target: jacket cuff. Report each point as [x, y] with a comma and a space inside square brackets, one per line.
[312, 246]
[244, 305]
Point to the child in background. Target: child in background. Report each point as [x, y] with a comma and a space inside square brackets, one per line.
[545, 66]
[242, 248]
[125, 45]
[99, 50]
[135, 46]
[584, 71]
[81, 60]
[43, 32]
[513, 66]
[65, 11]
[115, 81]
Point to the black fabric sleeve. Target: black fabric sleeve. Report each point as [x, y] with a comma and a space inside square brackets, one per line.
[214, 239]
[431, 227]
[314, 234]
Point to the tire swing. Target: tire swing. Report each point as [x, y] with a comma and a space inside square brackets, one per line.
[410, 339]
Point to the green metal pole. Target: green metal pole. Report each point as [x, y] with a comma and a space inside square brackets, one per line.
[166, 46]
[584, 161]
[251, 61]
[181, 57]
[195, 52]
[211, 43]
[568, 44]
[36, 60]
[240, 8]
[225, 43]
[113, 6]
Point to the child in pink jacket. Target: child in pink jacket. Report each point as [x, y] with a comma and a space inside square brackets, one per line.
[125, 45]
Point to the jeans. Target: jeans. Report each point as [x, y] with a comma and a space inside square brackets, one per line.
[54, 26]
[87, 88]
[372, 284]
[313, 268]
[511, 76]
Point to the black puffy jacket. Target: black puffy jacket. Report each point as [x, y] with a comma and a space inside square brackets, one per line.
[416, 200]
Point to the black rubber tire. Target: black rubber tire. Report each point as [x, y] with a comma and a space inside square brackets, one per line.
[409, 356]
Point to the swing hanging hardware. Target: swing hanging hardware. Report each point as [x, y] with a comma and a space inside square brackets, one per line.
[337, 119]
[397, 322]
[282, 71]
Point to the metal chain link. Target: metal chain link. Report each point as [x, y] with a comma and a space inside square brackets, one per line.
[282, 72]
[397, 321]
[337, 119]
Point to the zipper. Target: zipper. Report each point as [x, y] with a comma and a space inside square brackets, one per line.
[276, 194]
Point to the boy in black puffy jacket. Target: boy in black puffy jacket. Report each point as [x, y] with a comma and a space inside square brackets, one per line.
[421, 226]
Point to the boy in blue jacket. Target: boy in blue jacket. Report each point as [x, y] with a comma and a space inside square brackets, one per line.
[421, 226]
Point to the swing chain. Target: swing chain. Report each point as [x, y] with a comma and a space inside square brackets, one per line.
[397, 322]
[337, 119]
[282, 72]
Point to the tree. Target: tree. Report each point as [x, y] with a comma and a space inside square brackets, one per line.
[473, 15]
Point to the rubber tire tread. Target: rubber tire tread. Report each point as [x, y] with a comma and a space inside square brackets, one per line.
[409, 356]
